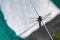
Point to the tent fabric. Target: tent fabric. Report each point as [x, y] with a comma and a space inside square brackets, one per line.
[7, 33]
[18, 14]
[57, 3]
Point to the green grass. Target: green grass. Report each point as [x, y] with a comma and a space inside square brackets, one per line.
[57, 35]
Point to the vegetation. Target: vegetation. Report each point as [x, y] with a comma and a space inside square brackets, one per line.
[57, 35]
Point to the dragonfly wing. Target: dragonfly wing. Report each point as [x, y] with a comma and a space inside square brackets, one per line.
[46, 16]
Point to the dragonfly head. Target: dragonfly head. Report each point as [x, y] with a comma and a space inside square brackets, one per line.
[39, 18]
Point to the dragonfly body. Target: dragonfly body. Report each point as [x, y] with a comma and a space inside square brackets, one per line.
[40, 24]
[39, 20]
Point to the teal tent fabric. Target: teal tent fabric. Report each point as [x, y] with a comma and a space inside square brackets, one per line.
[57, 3]
[7, 33]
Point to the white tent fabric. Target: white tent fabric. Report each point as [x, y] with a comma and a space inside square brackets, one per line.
[18, 14]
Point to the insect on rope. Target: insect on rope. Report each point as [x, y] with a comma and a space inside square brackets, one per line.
[39, 20]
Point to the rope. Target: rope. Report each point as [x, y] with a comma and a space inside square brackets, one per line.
[47, 31]
[34, 7]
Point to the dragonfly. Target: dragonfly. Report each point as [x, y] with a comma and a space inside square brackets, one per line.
[39, 20]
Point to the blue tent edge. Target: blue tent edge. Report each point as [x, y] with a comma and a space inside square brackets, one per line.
[57, 3]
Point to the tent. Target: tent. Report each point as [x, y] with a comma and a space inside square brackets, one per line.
[6, 33]
[18, 14]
